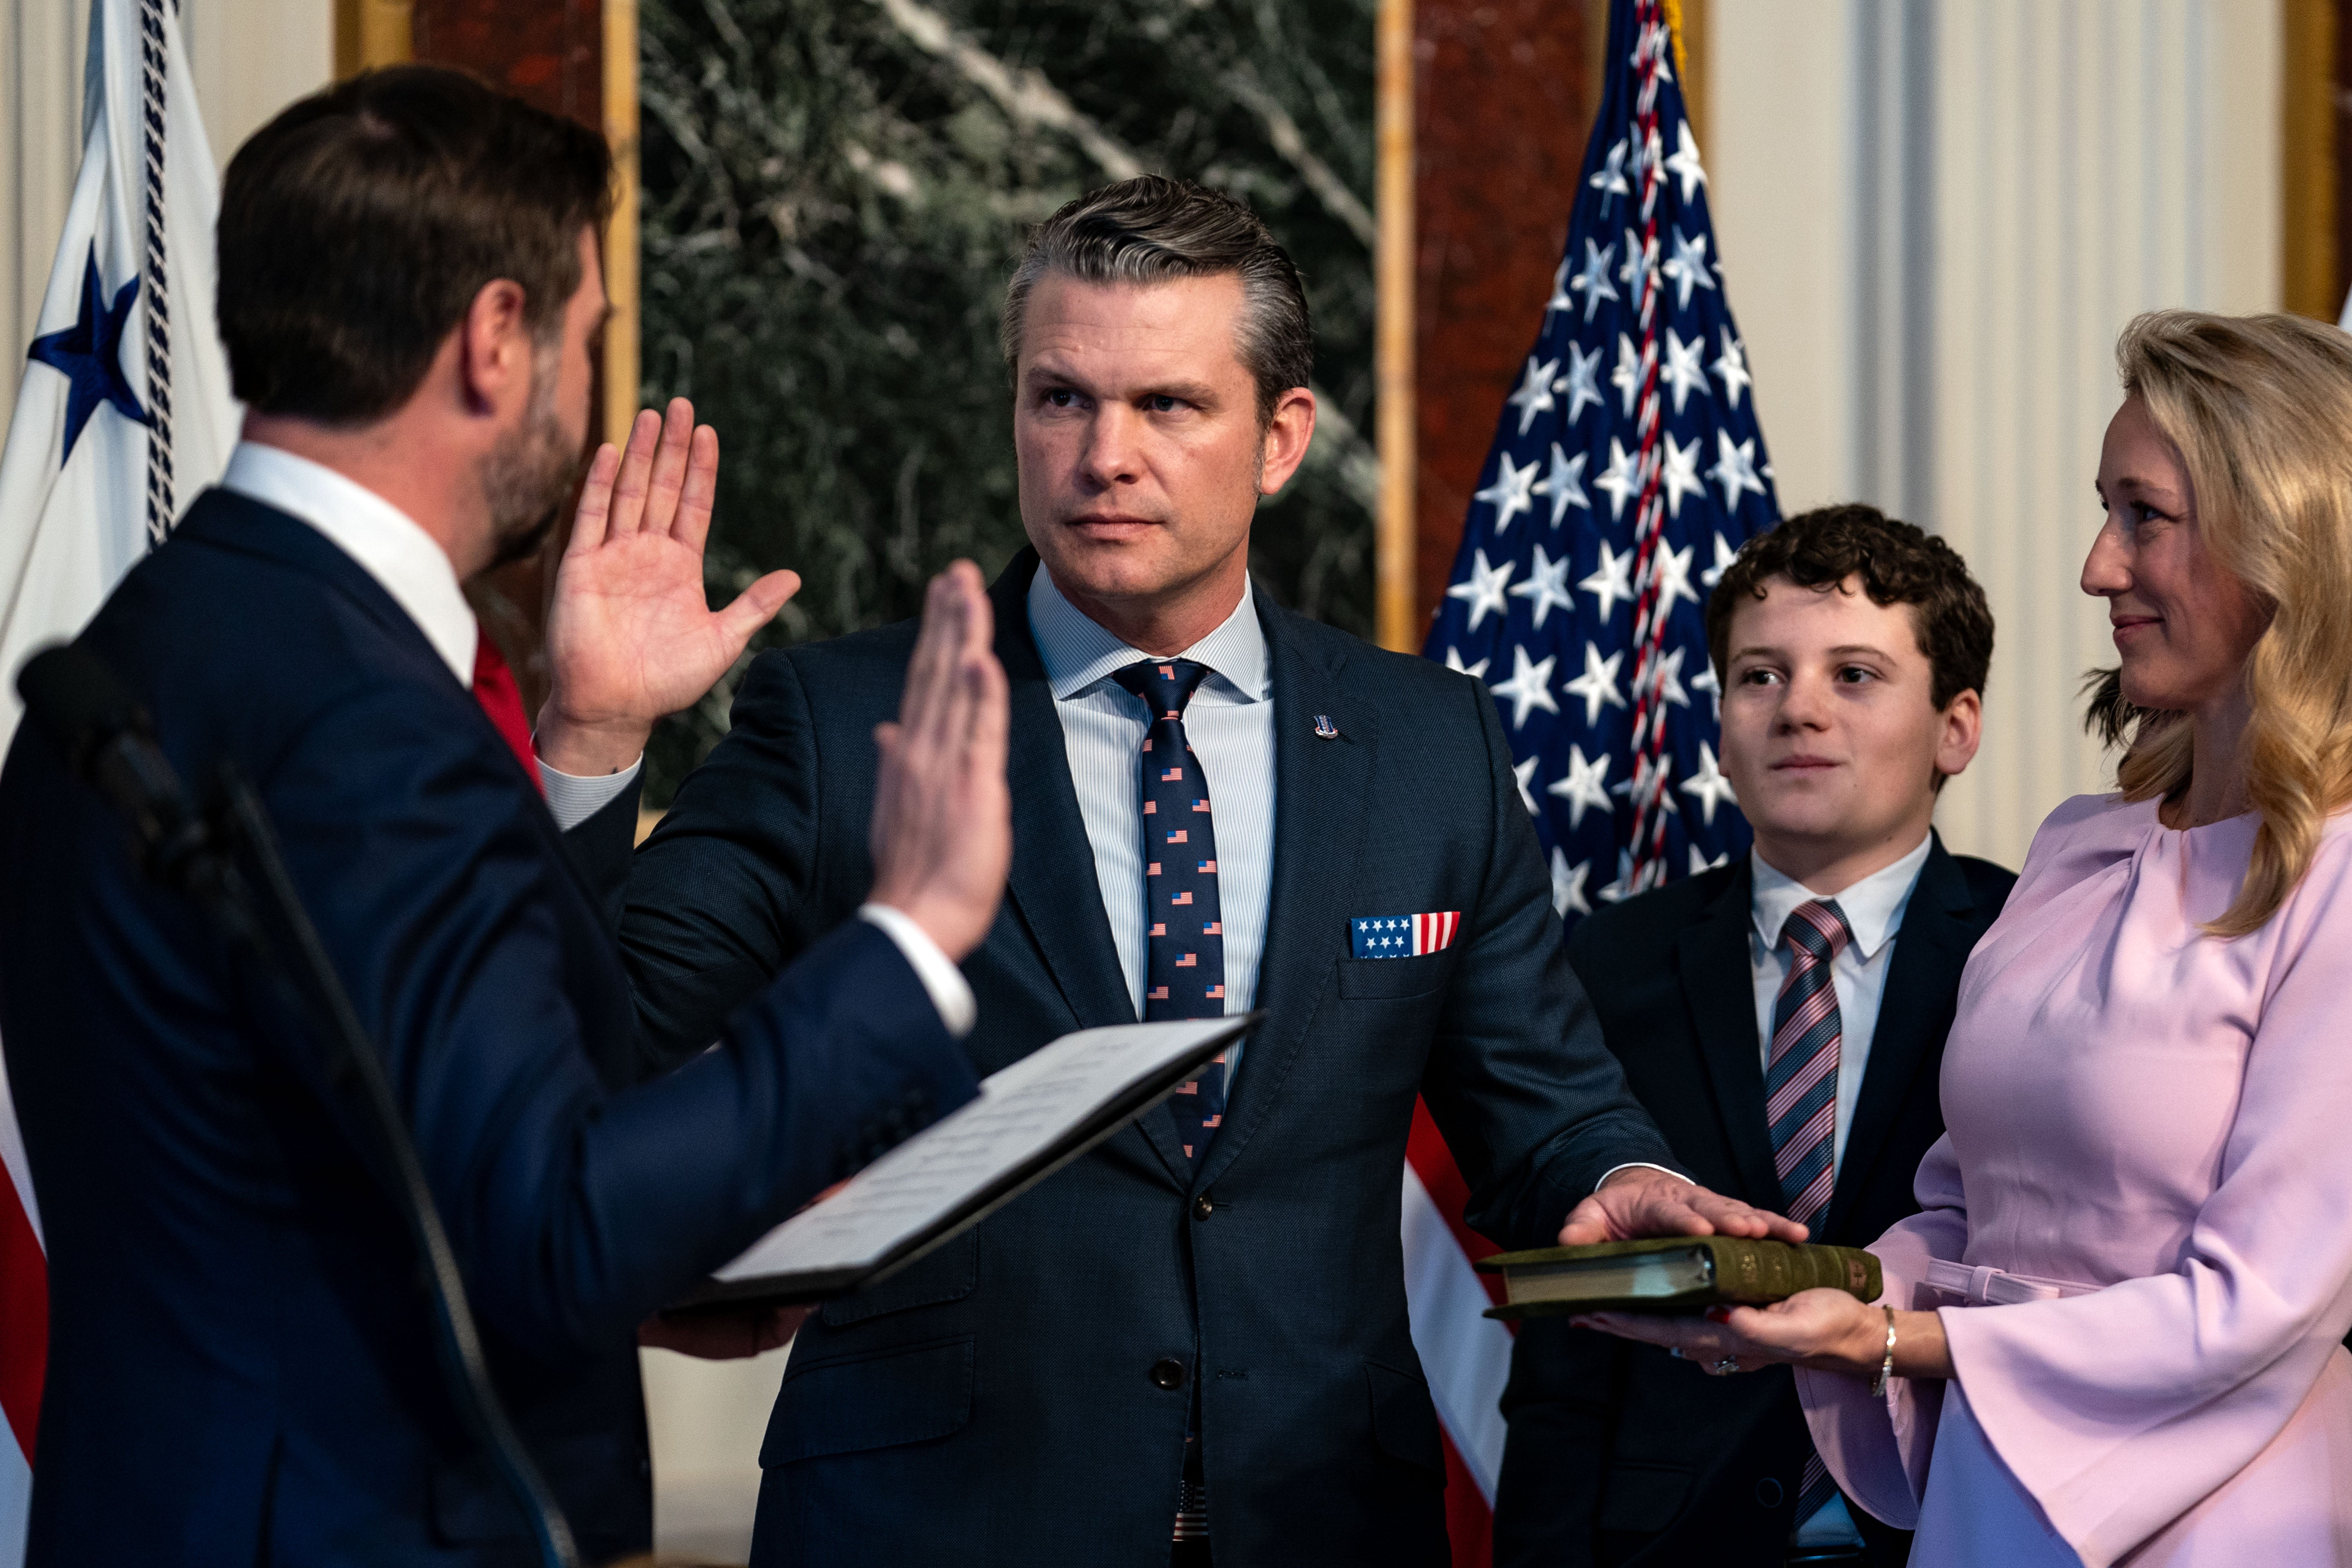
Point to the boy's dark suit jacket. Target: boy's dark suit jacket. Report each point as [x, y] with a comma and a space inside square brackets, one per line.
[240, 1366]
[1617, 1452]
[1006, 1400]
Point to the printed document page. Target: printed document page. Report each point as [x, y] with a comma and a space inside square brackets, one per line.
[1021, 1117]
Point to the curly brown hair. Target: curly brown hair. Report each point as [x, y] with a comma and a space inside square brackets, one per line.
[1898, 565]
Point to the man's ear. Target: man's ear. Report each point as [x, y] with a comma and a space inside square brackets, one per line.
[493, 360]
[1287, 437]
[1960, 731]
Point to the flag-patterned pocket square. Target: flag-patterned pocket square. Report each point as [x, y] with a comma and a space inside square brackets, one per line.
[1403, 936]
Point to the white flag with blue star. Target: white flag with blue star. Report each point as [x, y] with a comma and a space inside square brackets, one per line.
[124, 412]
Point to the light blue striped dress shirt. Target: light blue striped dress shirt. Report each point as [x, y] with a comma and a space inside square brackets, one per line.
[1230, 723]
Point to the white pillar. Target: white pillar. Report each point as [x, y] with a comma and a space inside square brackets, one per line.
[253, 57]
[41, 45]
[1936, 215]
[1779, 138]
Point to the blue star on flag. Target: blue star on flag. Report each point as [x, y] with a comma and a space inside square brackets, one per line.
[89, 356]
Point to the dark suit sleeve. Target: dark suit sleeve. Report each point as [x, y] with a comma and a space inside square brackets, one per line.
[575, 1213]
[1563, 1403]
[719, 896]
[602, 845]
[1532, 1104]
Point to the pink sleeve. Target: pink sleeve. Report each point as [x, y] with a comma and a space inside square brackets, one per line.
[2121, 1409]
[1877, 1450]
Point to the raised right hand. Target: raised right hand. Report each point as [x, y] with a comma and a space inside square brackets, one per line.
[631, 637]
[942, 834]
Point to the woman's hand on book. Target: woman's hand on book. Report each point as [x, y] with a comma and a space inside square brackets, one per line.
[1826, 1330]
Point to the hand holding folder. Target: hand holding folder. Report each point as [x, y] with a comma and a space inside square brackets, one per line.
[1029, 1121]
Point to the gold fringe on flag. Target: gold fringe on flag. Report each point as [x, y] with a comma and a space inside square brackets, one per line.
[1674, 9]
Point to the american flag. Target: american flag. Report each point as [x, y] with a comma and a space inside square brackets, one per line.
[1627, 471]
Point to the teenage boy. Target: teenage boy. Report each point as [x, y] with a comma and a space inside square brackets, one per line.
[1852, 651]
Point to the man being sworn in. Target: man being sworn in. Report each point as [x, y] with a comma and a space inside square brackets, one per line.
[1193, 1341]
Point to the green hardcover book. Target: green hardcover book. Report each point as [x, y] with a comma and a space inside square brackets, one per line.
[1673, 1274]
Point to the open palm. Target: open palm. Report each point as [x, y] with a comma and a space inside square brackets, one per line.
[630, 636]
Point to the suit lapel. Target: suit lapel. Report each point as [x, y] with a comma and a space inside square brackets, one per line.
[1053, 884]
[1931, 947]
[1320, 787]
[1712, 960]
[224, 520]
[1052, 881]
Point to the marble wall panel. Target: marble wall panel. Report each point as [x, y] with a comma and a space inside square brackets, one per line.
[1505, 93]
[548, 52]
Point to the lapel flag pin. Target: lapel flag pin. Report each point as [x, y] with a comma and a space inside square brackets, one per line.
[1324, 729]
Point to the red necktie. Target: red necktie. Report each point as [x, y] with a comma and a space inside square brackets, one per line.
[495, 689]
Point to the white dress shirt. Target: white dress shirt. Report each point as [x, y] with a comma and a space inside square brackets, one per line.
[1230, 724]
[573, 798]
[1874, 911]
[409, 564]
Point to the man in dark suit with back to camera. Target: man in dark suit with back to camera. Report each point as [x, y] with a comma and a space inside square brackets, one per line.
[1195, 1340]
[242, 1366]
[1783, 1019]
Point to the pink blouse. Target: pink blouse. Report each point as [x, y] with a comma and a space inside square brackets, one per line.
[2158, 1124]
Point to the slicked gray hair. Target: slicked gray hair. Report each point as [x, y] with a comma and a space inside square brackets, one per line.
[1152, 229]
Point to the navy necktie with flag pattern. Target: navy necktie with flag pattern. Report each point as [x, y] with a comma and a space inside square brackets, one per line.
[1184, 952]
[1185, 946]
[1801, 1084]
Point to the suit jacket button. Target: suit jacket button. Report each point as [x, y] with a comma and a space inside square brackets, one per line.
[1168, 1373]
[1202, 1207]
[1768, 1493]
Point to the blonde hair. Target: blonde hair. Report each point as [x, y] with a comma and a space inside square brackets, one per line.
[2260, 409]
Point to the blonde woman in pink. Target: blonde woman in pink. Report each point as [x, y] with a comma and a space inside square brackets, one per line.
[2113, 1334]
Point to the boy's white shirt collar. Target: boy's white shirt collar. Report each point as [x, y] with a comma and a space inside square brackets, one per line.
[1872, 907]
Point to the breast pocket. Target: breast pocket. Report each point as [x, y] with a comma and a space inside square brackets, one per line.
[882, 1399]
[947, 1274]
[1394, 979]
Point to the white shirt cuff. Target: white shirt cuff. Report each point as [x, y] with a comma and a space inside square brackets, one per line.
[573, 800]
[951, 992]
[1635, 1165]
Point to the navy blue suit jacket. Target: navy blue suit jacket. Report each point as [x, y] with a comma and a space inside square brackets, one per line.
[1619, 1454]
[240, 1367]
[996, 1402]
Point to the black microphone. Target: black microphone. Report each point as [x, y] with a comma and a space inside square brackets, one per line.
[110, 742]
